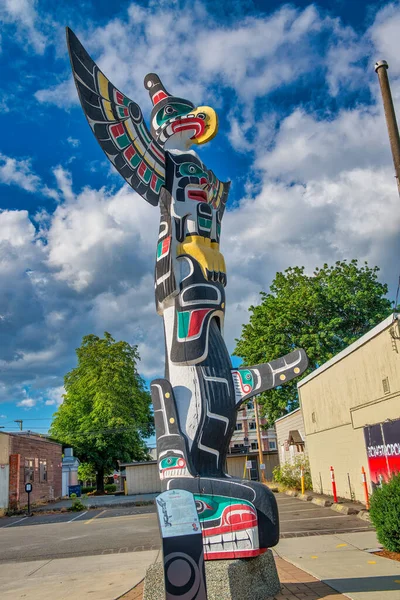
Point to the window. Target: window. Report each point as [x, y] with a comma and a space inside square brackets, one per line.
[272, 444]
[250, 405]
[254, 445]
[29, 470]
[43, 471]
[252, 425]
[238, 426]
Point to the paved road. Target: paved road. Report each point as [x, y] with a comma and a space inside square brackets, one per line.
[120, 530]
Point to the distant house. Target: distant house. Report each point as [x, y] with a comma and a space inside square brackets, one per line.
[28, 458]
[290, 436]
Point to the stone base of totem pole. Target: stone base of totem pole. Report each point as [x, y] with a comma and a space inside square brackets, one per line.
[242, 579]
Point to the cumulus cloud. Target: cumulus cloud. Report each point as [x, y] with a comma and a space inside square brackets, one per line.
[23, 17]
[55, 396]
[320, 184]
[27, 403]
[19, 172]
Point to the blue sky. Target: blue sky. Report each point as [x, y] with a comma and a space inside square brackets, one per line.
[302, 137]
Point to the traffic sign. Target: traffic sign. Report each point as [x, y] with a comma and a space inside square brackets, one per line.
[28, 488]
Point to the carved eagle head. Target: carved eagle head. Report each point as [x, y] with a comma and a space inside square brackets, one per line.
[176, 123]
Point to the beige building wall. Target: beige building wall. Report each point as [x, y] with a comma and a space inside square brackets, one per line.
[236, 464]
[358, 387]
[293, 421]
[142, 478]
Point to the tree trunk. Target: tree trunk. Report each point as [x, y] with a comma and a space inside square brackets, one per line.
[100, 480]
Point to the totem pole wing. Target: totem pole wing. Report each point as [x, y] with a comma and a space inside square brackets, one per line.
[220, 191]
[118, 124]
[250, 381]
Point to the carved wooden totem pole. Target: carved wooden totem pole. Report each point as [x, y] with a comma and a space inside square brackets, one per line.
[195, 405]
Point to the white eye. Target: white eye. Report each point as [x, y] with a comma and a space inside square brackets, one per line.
[201, 116]
[192, 169]
[169, 110]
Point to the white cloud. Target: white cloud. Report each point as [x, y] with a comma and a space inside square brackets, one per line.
[322, 187]
[248, 59]
[3, 416]
[23, 16]
[27, 403]
[55, 396]
[19, 172]
[73, 142]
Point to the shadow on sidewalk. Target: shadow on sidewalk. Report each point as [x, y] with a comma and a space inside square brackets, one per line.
[384, 583]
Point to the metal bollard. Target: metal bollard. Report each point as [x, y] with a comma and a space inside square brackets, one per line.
[333, 485]
[364, 482]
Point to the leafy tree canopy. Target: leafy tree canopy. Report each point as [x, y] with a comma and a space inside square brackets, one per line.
[322, 313]
[106, 412]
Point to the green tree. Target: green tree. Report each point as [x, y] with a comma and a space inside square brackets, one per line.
[322, 313]
[86, 472]
[106, 411]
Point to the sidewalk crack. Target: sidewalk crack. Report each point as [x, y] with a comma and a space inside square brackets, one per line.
[41, 567]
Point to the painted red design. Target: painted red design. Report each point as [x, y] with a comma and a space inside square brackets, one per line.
[196, 321]
[198, 125]
[158, 97]
[117, 130]
[129, 152]
[142, 168]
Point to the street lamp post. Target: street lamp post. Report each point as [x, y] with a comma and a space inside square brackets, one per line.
[381, 68]
[260, 451]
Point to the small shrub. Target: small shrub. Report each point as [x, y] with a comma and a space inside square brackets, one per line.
[88, 489]
[77, 505]
[289, 475]
[110, 487]
[385, 513]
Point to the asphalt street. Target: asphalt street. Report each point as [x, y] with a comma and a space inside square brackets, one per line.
[119, 530]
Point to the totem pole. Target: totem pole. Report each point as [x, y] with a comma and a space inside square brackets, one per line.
[195, 405]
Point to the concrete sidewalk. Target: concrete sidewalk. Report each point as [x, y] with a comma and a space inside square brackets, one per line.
[98, 502]
[341, 561]
[103, 577]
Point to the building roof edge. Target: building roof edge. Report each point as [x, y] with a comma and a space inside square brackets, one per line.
[350, 349]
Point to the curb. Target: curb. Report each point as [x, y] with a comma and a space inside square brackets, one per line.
[93, 506]
[305, 497]
[346, 510]
[341, 508]
[364, 515]
[322, 502]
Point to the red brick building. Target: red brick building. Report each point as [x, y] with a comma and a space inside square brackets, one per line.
[36, 460]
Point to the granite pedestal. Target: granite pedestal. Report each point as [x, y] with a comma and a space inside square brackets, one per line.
[242, 579]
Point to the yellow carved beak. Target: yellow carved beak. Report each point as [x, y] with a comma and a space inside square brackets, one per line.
[211, 121]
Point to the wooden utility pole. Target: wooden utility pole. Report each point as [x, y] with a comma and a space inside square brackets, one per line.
[260, 452]
[381, 68]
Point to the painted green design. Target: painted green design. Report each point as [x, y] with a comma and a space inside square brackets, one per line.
[183, 323]
[211, 508]
[247, 377]
[191, 170]
[205, 223]
[172, 110]
[169, 463]
[123, 141]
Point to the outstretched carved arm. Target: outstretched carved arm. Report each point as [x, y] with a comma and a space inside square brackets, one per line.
[250, 381]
